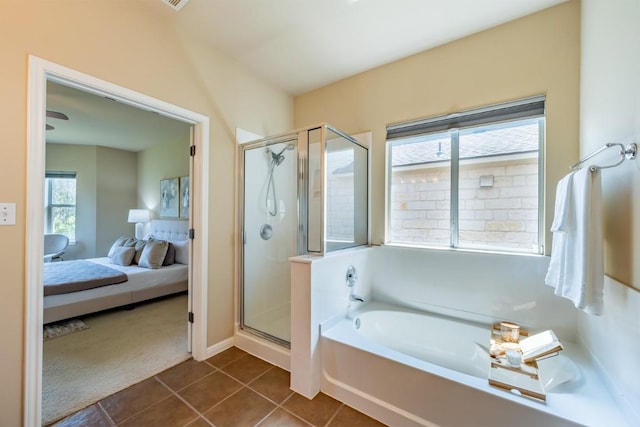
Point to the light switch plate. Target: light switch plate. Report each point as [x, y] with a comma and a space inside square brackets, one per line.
[7, 214]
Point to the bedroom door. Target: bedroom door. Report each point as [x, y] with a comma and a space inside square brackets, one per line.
[186, 207]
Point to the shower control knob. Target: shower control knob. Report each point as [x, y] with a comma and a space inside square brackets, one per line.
[351, 276]
[266, 232]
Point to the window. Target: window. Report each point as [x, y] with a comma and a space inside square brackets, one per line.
[469, 180]
[60, 204]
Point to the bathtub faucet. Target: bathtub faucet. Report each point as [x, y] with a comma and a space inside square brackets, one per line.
[351, 279]
[355, 298]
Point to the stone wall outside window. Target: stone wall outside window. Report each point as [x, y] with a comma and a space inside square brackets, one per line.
[503, 215]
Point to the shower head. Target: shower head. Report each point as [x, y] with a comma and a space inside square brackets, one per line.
[287, 147]
[279, 157]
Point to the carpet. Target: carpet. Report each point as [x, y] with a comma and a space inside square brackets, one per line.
[62, 328]
[120, 348]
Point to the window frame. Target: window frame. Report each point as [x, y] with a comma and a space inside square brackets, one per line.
[49, 205]
[441, 127]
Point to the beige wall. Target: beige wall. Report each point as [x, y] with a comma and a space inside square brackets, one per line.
[110, 182]
[106, 190]
[117, 190]
[610, 112]
[133, 45]
[239, 101]
[164, 161]
[538, 54]
[81, 159]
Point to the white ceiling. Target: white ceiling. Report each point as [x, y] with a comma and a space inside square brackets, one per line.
[300, 45]
[96, 120]
[295, 45]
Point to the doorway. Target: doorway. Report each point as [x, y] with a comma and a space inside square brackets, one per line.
[41, 71]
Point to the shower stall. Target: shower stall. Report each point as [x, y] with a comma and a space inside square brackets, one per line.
[305, 192]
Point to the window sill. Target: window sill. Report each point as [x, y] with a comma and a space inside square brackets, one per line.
[464, 250]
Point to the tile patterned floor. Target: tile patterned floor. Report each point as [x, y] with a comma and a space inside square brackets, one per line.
[232, 388]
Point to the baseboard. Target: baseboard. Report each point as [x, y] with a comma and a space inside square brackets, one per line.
[265, 350]
[219, 347]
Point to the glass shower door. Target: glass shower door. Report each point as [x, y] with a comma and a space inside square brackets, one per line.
[270, 225]
[346, 207]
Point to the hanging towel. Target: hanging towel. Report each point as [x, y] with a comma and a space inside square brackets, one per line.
[576, 270]
[559, 230]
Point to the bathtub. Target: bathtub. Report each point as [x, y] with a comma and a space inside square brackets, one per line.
[460, 346]
[413, 369]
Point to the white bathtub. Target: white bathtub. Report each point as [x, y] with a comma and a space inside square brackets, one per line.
[460, 346]
[407, 369]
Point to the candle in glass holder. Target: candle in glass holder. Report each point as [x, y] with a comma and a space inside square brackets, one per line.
[510, 332]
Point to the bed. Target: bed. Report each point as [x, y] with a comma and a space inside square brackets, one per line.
[69, 297]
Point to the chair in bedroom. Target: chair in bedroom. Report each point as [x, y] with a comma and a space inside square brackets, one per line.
[55, 245]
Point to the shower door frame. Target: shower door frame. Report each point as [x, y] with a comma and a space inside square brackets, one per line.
[299, 139]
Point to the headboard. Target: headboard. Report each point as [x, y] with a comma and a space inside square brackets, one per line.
[169, 229]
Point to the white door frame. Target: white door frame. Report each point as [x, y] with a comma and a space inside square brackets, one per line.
[40, 71]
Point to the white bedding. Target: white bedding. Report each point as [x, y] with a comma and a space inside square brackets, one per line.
[140, 277]
[142, 283]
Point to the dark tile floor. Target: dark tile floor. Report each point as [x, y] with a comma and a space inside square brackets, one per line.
[232, 388]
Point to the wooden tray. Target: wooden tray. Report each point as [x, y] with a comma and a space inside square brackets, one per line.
[523, 378]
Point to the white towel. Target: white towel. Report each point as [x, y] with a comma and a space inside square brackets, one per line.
[576, 270]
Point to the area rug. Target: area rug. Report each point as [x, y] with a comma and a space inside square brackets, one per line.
[62, 328]
[121, 348]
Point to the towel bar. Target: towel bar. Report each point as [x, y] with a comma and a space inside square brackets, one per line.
[626, 153]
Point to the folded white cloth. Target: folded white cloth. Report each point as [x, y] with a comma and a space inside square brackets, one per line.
[576, 270]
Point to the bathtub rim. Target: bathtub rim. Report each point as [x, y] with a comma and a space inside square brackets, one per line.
[556, 404]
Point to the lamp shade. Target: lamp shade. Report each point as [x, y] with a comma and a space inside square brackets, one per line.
[139, 215]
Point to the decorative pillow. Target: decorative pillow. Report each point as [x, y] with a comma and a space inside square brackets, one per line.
[118, 243]
[140, 244]
[182, 251]
[170, 258]
[130, 242]
[153, 253]
[122, 255]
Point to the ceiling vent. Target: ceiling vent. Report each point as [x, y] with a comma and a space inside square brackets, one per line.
[175, 4]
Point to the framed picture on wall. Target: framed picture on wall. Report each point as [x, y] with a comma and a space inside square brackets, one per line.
[169, 198]
[185, 197]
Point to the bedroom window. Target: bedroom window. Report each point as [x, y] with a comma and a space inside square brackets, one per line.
[468, 180]
[60, 204]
